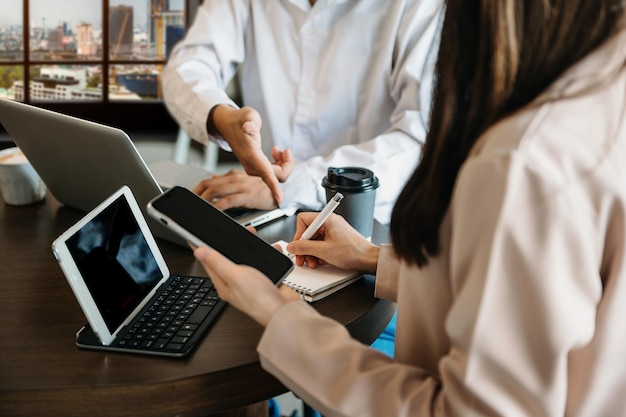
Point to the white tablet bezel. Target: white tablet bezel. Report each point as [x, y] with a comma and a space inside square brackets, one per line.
[77, 283]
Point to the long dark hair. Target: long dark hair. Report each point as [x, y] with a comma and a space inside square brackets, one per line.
[495, 57]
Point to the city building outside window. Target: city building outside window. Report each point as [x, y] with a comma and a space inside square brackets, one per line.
[98, 59]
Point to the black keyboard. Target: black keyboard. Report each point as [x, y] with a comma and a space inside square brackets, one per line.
[176, 319]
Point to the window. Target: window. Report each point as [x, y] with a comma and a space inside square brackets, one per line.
[96, 59]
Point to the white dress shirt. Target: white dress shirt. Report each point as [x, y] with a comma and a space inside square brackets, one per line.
[340, 83]
[522, 312]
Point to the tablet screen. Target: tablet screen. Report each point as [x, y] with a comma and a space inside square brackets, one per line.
[115, 261]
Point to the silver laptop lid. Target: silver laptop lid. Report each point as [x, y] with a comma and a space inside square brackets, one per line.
[81, 162]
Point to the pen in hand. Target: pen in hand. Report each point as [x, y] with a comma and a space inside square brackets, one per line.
[318, 222]
[322, 217]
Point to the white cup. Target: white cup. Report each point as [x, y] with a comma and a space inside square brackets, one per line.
[19, 182]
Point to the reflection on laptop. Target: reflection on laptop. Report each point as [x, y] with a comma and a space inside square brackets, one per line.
[121, 281]
[82, 162]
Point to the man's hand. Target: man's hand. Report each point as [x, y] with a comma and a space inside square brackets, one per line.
[283, 163]
[236, 189]
[241, 128]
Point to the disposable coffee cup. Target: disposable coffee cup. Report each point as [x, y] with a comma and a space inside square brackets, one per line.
[358, 186]
[19, 182]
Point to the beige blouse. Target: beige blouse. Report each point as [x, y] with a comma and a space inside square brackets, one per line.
[524, 311]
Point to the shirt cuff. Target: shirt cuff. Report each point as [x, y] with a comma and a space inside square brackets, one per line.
[301, 191]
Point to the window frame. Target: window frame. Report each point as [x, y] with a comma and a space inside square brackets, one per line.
[127, 115]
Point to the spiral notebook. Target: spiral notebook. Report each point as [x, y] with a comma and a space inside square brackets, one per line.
[315, 284]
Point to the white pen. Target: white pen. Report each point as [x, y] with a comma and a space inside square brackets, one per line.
[322, 217]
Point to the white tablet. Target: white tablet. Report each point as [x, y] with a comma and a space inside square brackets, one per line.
[112, 263]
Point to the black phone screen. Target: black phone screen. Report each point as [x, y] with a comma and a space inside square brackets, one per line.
[221, 232]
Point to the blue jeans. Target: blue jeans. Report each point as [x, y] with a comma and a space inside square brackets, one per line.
[386, 341]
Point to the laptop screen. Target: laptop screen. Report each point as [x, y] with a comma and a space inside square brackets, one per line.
[115, 261]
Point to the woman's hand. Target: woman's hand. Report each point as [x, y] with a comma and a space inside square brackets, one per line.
[244, 287]
[336, 243]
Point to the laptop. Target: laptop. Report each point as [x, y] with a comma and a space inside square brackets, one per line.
[82, 162]
[122, 283]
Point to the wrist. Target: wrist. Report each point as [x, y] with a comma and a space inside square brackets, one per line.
[215, 119]
[369, 259]
[272, 305]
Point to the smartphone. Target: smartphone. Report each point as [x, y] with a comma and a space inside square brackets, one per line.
[202, 224]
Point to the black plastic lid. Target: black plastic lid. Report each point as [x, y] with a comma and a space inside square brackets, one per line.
[350, 179]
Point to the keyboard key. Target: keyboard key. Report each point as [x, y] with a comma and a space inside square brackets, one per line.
[199, 314]
[174, 346]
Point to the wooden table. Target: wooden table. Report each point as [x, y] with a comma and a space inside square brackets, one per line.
[42, 372]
